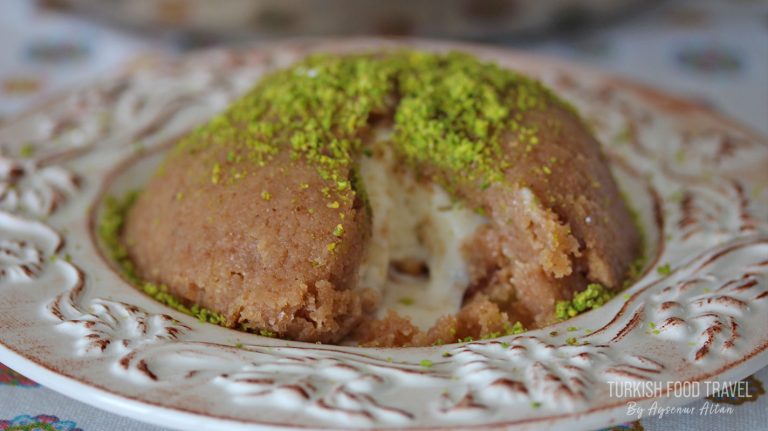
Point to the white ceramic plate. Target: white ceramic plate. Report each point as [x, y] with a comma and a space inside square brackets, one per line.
[70, 322]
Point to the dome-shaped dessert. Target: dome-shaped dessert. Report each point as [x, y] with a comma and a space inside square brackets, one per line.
[348, 185]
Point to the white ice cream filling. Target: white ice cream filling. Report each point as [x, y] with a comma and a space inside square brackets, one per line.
[415, 258]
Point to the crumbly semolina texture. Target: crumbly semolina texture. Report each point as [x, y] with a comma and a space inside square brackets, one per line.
[478, 319]
[259, 215]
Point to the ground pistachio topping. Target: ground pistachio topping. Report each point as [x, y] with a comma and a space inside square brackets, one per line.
[26, 151]
[664, 270]
[110, 227]
[594, 296]
[449, 111]
[638, 264]
[464, 120]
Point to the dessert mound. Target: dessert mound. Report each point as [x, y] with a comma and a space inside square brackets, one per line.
[391, 199]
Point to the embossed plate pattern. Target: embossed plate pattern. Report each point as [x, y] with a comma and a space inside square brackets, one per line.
[68, 320]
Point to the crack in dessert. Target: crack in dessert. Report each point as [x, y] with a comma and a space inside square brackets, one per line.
[415, 257]
[395, 198]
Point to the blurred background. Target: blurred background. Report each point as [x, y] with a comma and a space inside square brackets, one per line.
[712, 51]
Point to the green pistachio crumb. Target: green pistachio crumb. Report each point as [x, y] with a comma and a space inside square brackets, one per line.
[406, 300]
[450, 110]
[516, 328]
[110, 228]
[664, 270]
[594, 296]
[637, 265]
[216, 173]
[680, 155]
[677, 196]
[338, 230]
[27, 150]
[490, 335]
[426, 363]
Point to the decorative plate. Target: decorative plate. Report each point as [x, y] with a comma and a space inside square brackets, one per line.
[69, 321]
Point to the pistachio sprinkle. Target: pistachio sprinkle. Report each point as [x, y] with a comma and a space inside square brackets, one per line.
[467, 120]
[449, 111]
[109, 229]
[594, 296]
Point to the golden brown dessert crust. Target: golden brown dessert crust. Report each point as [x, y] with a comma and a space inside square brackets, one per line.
[574, 229]
[257, 251]
[539, 248]
[263, 247]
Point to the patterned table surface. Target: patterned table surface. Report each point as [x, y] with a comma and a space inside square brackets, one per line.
[713, 52]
